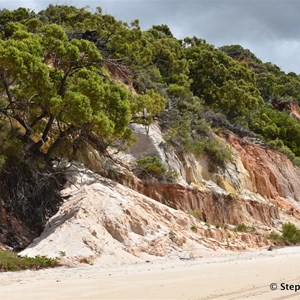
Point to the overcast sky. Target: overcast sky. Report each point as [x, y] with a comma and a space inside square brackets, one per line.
[269, 28]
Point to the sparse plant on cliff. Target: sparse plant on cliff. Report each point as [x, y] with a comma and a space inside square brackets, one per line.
[194, 228]
[274, 236]
[219, 151]
[62, 253]
[151, 165]
[196, 213]
[172, 235]
[208, 225]
[244, 228]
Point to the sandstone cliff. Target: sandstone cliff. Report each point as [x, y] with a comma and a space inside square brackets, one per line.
[106, 220]
[129, 219]
[258, 187]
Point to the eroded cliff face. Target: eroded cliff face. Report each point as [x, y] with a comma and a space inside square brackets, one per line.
[215, 208]
[129, 219]
[272, 175]
[106, 220]
[258, 187]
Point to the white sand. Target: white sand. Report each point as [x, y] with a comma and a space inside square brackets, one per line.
[237, 276]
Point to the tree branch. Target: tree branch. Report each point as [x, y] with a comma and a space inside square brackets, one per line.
[39, 118]
[7, 90]
[47, 128]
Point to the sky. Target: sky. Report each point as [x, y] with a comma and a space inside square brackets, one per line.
[268, 28]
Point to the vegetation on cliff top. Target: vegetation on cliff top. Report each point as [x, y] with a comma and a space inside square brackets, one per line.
[58, 86]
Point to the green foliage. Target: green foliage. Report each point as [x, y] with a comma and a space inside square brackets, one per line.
[196, 214]
[218, 150]
[244, 228]
[146, 106]
[194, 228]
[62, 253]
[168, 55]
[239, 53]
[151, 165]
[223, 83]
[290, 235]
[64, 15]
[10, 145]
[56, 88]
[47, 79]
[172, 235]
[241, 227]
[275, 237]
[10, 261]
[279, 129]
[192, 133]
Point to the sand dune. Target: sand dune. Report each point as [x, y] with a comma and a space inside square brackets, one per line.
[237, 276]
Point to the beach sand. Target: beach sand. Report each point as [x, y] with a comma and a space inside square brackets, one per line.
[234, 276]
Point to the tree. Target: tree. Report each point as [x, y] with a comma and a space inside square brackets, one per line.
[55, 89]
[222, 83]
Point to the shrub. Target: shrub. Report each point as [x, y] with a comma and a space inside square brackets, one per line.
[207, 224]
[218, 150]
[196, 214]
[9, 261]
[244, 228]
[281, 147]
[31, 192]
[290, 233]
[241, 227]
[275, 237]
[152, 165]
[194, 228]
[172, 235]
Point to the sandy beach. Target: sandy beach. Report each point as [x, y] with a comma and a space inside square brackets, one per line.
[236, 276]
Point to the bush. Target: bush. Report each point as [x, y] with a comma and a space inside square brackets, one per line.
[9, 261]
[152, 165]
[290, 235]
[218, 150]
[275, 237]
[194, 228]
[196, 214]
[244, 228]
[281, 147]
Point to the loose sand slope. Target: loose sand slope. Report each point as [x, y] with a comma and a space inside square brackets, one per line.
[238, 276]
[104, 220]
